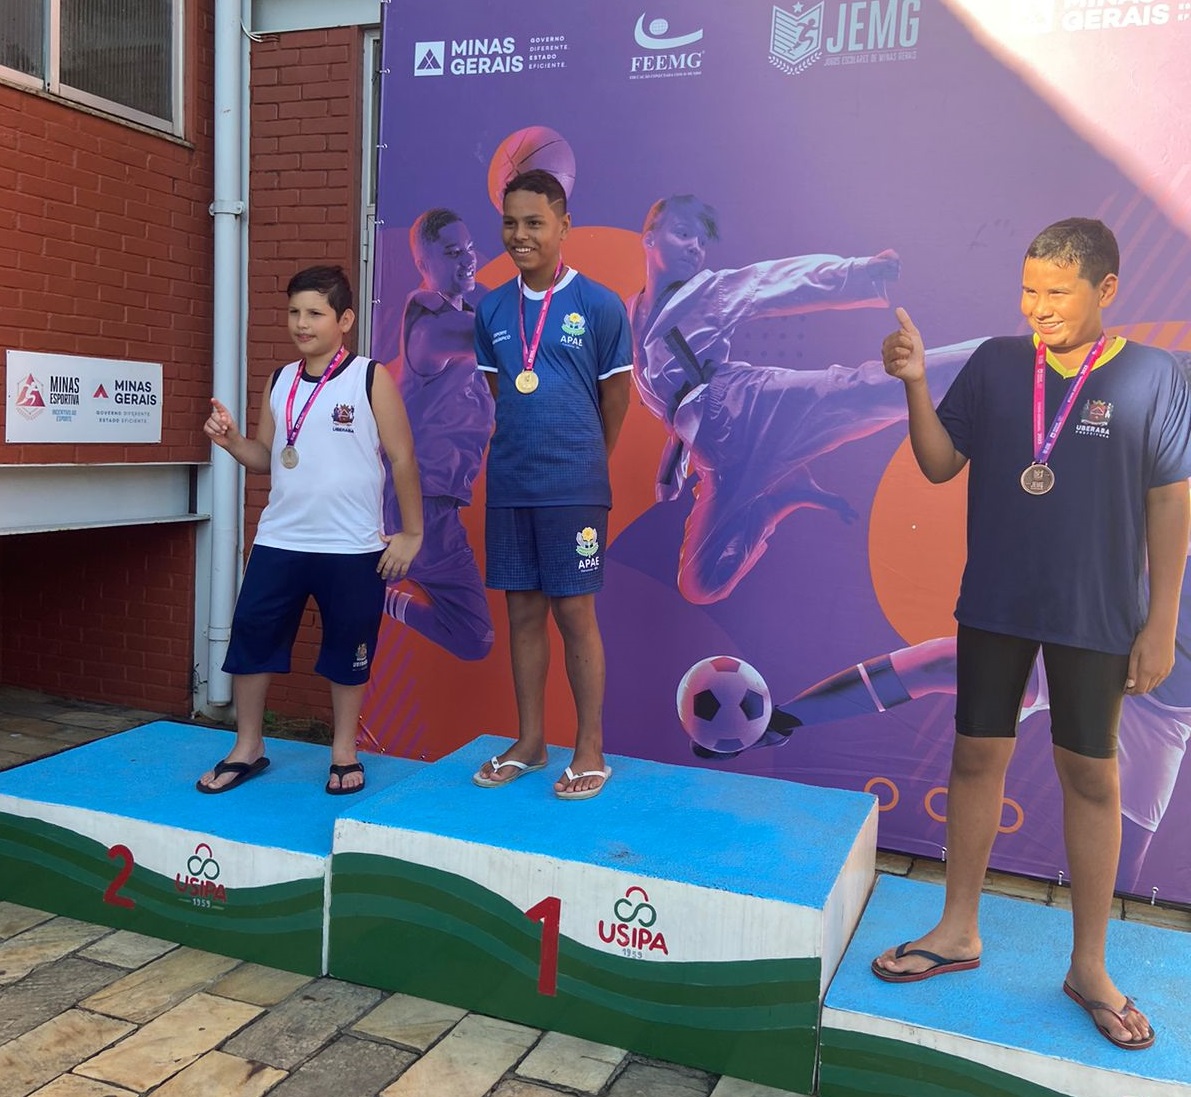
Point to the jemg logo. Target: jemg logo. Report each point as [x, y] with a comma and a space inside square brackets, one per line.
[796, 38]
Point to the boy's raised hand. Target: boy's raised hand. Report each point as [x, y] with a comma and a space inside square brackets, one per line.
[220, 427]
[902, 351]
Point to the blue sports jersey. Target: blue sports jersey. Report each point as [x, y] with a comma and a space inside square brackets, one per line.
[1065, 567]
[548, 447]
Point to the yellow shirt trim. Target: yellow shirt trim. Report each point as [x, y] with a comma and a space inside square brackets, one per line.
[1115, 345]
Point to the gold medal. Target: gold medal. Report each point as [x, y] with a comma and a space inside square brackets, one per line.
[289, 457]
[526, 381]
[1037, 479]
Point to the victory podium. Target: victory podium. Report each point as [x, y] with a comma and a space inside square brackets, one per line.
[114, 832]
[1005, 1029]
[689, 915]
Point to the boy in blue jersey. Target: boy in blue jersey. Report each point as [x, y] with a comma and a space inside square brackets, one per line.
[450, 414]
[324, 421]
[1061, 520]
[555, 349]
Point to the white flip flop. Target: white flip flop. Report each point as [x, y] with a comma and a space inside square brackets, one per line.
[521, 768]
[586, 794]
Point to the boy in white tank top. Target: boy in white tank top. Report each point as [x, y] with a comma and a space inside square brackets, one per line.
[324, 421]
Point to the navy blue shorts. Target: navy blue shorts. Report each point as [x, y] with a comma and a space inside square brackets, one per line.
[557, 550]
[350, 597]
[1086, 689]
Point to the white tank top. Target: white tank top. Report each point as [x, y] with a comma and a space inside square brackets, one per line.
[331, 501]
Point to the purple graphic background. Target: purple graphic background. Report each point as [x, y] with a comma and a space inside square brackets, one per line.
[948, 157]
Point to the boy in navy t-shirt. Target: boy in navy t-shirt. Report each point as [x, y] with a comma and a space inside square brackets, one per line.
[1080, 448]
[555, 349]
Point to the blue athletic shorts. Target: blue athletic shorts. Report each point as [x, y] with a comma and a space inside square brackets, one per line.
[277, 582]
[557, 550]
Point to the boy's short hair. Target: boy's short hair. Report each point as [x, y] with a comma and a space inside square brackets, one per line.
[684, 205]
[428, 226]
[538, 181]
[331, 282]
[1079, 241]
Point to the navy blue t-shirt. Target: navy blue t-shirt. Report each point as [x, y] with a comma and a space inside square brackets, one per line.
[1064, 567]
[548, 447]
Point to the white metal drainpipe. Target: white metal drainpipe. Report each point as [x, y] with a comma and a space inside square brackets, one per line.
[227, 212]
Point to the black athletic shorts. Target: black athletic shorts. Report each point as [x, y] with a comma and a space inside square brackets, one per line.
[1085, 689]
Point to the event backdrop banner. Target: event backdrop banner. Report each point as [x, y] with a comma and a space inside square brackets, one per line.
[816, 164]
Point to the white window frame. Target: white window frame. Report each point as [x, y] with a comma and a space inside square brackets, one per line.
[369, 131]
[53, 84]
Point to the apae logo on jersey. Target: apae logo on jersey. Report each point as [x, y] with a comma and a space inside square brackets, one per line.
[574, 327]
[796, 38]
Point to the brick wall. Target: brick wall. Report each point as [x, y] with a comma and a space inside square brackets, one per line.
[304, 209]
[101, 614]
[106, 250]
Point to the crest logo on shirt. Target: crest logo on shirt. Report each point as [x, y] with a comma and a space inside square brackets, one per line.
[574, 324]
[1093, 419]
[343, 416]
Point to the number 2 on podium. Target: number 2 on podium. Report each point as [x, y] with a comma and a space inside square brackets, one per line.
[112, 893]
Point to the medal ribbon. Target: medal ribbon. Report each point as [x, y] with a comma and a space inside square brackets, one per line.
[529, 351]
[292, 428]
[1044, 445]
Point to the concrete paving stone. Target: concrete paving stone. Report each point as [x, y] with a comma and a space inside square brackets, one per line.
[142, 994]
[1018, 887]
[348, 1067]
[411, 1021]
[289, 1034]
[515, 1087]
[650, 1079]
[48, 991]
[1060, 899]
[27, 725]
[262, 986]
[43, 944]
[220, 1075]
[9, 759]
[127, 949]
[98, 721]
[29, 746]
[468, 1061]
[15, 919]
[71, 1085]
[170, 1043]
[737, 1087]
[53, 1048]
[571, 1062]
[933, 872]
[893, 864]
[1154, 915]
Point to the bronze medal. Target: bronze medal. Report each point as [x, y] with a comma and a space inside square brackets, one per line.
[526, 381]
[1037, 479]
[289, 457]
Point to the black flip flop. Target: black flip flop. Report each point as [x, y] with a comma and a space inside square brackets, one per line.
[244, 771]
[341, 772]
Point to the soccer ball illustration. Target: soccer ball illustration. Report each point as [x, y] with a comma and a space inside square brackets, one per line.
[724, 704]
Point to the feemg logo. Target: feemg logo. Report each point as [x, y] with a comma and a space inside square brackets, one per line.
[632, 925]
[199, 882]
[853, 32]
[669, 53]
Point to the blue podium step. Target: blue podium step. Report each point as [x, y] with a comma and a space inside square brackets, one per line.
[114, 832]
[689, 915]
[1005, 1029]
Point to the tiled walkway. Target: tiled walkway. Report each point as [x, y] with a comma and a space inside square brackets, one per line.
[87, 1011]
